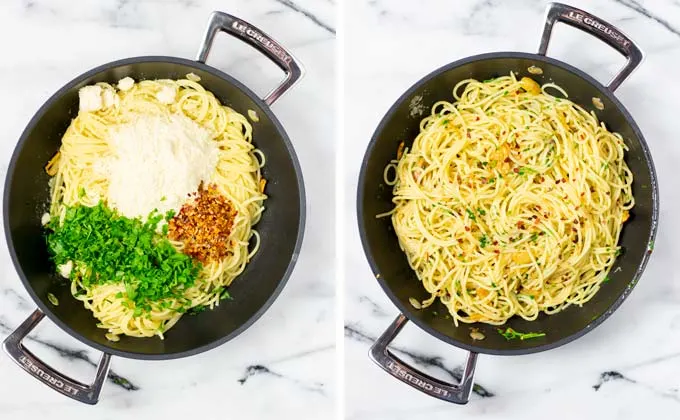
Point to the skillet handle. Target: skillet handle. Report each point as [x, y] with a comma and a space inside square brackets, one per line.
[598, 28]
[380, 354]
[248, 33]
[88, 394]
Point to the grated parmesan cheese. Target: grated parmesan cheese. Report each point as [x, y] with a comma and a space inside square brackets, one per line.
[166, 95]
[156, 162]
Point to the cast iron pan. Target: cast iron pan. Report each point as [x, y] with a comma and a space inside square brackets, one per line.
[389, 262]
[281, 227]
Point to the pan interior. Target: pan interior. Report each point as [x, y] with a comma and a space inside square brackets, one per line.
[389, 262]
[27, 195]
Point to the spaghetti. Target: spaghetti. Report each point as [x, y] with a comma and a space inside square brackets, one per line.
[510, 201]
[79, 181]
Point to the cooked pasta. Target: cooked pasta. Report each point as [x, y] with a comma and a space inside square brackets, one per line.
[78, 180]
[510, 201]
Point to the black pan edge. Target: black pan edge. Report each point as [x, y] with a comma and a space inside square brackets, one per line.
[298, 171]
[408, 311]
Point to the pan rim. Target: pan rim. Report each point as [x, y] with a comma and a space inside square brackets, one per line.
[403, 308]
[287, 143]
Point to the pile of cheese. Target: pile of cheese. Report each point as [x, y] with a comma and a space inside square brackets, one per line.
[156, 161]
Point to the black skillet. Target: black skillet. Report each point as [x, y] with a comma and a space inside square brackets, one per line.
[389, 263]
[281, 227]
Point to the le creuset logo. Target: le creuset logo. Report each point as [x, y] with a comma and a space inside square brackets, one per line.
[46, 376]
[402, 373]
[577, 17]
[268, 44]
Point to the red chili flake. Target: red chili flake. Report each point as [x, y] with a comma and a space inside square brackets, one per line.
[515, 170]
[204, 225]
[467, 228]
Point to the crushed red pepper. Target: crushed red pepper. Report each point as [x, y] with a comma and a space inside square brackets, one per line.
[204, 225]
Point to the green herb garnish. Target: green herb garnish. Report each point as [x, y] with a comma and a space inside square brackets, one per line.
[481, 211]
[197, 309]
[483, 241]
[534, 237]
[470, 214]
[114, 248]
[606, 279]
[225, 295]
[510, 334]
[525, 170]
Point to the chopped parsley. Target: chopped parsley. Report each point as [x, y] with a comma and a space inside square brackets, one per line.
[197, 309]
[525, 170]
[606, 279]
[534, 237]
[483, 241]
[618, 252]
[470, 214]
[111, 248]
[510, 334]
[481, 211]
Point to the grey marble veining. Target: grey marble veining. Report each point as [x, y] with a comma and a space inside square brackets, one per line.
[283, 364]
[627, 368]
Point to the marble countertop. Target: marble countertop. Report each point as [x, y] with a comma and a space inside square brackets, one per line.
[284, 363]
[629, 367]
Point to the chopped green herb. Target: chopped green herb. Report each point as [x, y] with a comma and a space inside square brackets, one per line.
[505, 92]
[488, 80]
[510, 334]
[651, 246]
[470, 214]
[164, 198]
[225, 295]
[481, 211]
[119, 249]
[119, 295]
[534, 237]
[606, 279]
[618, 252]
[483, 241]
[53, 299]
[197, 309]
[444, 122]
[485, 163]
[525, 170]
[81, 192]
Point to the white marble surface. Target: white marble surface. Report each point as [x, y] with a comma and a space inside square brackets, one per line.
[390, 46]
[284, 363]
